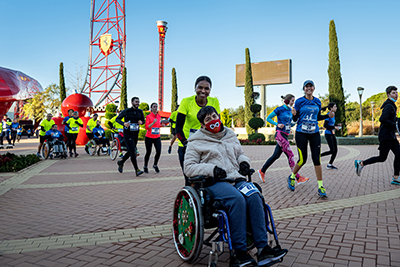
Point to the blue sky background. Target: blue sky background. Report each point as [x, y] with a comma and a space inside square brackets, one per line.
[209, 38]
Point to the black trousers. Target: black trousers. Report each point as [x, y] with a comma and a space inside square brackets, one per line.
[332, 143]
[72, 142]
[13, 136]
[130, 142]
[384, 147]
[181, 155]
[157, 145]
[302, 140]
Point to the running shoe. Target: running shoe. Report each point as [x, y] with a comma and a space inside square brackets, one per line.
[261, 175]
[38, 154]
[357, 164]
[71, 154]
[291, 182]
[145, 169]
[76, 154]
[169, 149]
[267, 255]
[156, 168]
[138, 172]
[137, 152]
[331, 167]
[243, 258]
[395, 181]
[302, 180]
[121, 155]
[87, 149]
[120, 166]
[322, 191]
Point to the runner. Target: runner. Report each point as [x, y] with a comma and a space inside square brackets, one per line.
[89, 130]
[14, 130]
[387, 136]
[283, 128]
[172, 120]
[133, 117]
[44, 125]
[66, 129]
[6, 130]
[307, 112]
[186, 120]
[153, 123]
[1, 135]
[73, 124]
[19, 133]
[331, 127]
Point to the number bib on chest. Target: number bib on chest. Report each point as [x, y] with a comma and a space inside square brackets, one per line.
[248, 189]
[308, 127]
[134, 127]
[74, 129]
[155, 130]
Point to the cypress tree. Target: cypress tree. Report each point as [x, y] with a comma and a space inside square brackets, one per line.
[336, 93]
[248, 93]
[124, 95]
[63, 91]
[174, 91]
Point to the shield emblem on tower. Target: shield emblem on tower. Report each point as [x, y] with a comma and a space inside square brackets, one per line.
[106, 43]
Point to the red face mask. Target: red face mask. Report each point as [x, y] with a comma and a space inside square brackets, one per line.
[214, 126]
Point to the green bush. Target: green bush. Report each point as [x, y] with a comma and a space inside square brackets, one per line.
[111, 108]
[256, 123]
[255, 108]
[256, 136]
[10, 162]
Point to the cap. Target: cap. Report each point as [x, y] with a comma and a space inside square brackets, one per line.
[307, 82]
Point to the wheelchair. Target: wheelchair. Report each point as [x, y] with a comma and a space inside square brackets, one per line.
[195, 212]
[54, 148]
[95, 146]
[117, 144]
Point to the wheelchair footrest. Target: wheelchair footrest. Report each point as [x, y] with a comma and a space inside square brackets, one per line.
[274, 262]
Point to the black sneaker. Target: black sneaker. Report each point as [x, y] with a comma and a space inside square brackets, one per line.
[138, 172]
[169, 149]
[267, 255]
[120, 166]
[331, 167]
[156, 168]
[86, 149]
[243, 258]
[145, 169]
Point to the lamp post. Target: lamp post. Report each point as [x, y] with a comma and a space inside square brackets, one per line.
[372, 111]
[360, 91]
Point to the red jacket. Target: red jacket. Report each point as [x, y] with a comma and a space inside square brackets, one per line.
[153, 131]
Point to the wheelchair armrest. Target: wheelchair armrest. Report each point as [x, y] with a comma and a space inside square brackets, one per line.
[198, 179]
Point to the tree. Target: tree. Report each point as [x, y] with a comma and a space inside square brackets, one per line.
[336, 93]
[77, 79]
[226, 118]
[124, 95]
[174, 91]
[248, 93]
[63, 91]
[237, 116]
[42, 103]
[144, 106]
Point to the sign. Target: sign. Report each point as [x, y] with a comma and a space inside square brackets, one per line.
[106, 44]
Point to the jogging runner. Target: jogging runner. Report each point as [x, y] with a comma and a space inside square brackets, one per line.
[45, 125]
[66, 129]
[186, 120]
[133, 117]
[307, 113]
[73, 124]
[331, 127]
[14, 129]
[172, 120]
[283, 128]
[89, 130]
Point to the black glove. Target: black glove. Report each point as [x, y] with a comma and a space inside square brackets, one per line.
[219, 173]
[244, 168]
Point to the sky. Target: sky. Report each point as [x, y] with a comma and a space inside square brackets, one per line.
[209, 37]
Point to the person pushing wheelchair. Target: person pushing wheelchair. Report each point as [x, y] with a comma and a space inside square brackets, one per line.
[215, 151]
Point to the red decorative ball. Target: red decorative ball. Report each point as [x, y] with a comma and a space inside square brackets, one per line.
[77, 102]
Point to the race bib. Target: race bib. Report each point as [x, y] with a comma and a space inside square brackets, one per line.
[155, 130]
[248, 189]
[308, 127]
[287, 128]
[134, 127]
[74, 129]
[192, 131]
[120, 130]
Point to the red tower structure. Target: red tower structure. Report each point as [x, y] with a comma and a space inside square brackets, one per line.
[162, 30]
[106, 51]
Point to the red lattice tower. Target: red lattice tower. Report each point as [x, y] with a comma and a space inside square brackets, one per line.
[162, 30]
[106, 51]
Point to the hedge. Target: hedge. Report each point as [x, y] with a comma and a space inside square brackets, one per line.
[10, 162]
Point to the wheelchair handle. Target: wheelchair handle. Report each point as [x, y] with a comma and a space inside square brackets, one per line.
[250, 174]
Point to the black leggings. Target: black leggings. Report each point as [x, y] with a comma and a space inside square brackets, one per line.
[181, 155]
[157, 144]
[72, 142]
[384, 148]
[331, 140]
[302, 140]
[130, 142]
[13, 136]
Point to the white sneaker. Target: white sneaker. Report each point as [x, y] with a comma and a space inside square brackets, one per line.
[357, 164]
[395, 181]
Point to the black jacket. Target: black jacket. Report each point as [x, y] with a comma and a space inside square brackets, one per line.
[132, 115]
[388, 121]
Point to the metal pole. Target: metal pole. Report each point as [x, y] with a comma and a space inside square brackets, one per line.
[360, 133]
[373, 127]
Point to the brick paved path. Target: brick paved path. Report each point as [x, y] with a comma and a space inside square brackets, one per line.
[82, 212]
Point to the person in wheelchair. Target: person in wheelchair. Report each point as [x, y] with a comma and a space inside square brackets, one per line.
[214, 151]
[99, 136]
[55, 139]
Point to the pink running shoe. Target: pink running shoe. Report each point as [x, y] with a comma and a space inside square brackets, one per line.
[302, 180]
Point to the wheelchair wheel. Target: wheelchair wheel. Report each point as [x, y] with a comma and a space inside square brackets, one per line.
[188, 226]
[46, 150]
[92, 147]
[114, 148]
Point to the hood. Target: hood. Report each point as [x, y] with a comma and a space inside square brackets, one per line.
[388, 102]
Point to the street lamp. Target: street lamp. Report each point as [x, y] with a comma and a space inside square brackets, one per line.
[360, 91]
[372, 110]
